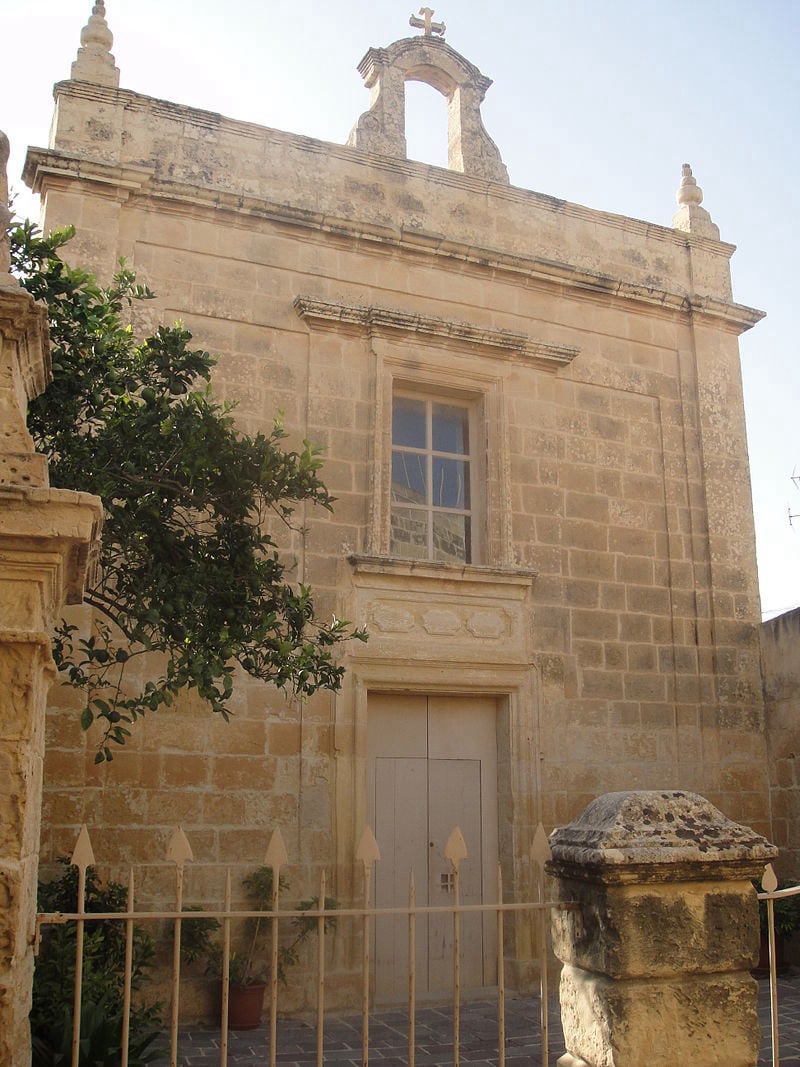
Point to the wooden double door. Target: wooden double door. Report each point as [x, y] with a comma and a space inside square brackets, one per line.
[432, 766]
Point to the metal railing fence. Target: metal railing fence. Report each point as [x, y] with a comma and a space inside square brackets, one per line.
[180, 853]
[771, 894]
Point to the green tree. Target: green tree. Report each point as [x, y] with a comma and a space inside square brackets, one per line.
[188, 567]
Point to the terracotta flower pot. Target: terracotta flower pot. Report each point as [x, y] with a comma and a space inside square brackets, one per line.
[245, 1005]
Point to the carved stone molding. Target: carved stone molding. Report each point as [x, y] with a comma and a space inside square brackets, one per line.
[504, 344]
[46, 170]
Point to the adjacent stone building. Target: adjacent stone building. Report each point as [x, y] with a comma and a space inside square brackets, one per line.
[780, 664]
[533, 424]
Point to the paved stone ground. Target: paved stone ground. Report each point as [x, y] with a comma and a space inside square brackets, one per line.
[199, 1047]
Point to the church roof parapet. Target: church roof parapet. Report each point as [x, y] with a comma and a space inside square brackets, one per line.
[545, 262]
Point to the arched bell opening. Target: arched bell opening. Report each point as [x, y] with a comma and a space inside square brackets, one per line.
[427, 123]
[382, 129]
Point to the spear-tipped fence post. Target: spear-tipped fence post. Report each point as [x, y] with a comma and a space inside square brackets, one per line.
[179, 852]
[82, 857]
[769, 883]
[540, 854]
[455, 851]
[126, 998]
[275, 858]
[321, 968]
[367, 853]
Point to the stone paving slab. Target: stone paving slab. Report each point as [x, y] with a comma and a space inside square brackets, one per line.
[199, 1046]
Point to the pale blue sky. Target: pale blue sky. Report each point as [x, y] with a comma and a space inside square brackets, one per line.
[598, 103]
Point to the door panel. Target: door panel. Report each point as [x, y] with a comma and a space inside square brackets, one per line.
[454, 799]
[432, 765]
[401, 829]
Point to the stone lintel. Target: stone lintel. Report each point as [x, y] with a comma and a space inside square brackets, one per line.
[504, 344]
[437, 616]
[656, 836]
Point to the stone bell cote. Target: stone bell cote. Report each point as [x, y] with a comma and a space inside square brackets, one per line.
[428, 59]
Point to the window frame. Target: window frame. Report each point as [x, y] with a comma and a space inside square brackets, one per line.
[474, 513]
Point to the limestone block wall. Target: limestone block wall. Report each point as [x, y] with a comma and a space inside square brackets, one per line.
[780, 660]
[599, 354]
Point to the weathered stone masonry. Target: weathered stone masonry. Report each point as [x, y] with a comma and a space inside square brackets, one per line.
[610, 609]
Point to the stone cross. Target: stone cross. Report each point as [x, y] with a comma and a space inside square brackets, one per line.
[426, 24]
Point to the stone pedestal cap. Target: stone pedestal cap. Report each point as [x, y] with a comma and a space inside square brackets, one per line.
[656, 835]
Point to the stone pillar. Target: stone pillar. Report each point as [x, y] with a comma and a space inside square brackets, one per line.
[46, 536]
[657, 957]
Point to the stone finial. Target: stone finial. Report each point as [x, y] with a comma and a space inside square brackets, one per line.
[689, 192]
[95, 62]
[690, 216]
[5, 213]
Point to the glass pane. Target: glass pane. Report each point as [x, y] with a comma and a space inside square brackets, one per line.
[451, 538]
[408, 422]
[450, 429]
[408, 478]
[450, 483]
[409, 533]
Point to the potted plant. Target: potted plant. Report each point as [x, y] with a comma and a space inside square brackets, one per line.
[249, 963]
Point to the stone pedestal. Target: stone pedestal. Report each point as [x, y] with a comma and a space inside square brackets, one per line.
[657, 956]
[46, 537]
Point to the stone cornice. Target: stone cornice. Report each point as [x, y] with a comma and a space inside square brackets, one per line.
[43, 167]
[504, 344]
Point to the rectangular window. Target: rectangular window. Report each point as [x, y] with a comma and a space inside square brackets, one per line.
[431, 493]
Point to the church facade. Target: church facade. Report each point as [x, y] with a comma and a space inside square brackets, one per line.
[532, 420]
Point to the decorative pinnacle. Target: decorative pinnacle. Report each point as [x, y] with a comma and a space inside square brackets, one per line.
[426, 23]
[96, 31]
[689, 192]
[95, 62]
[690, 217]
